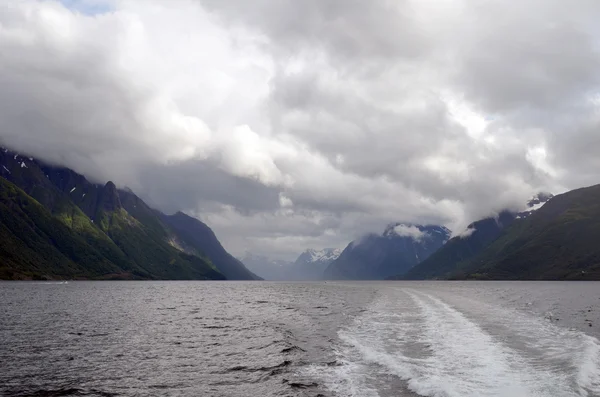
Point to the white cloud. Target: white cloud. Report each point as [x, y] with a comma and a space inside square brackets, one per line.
[285, 201]
[465, 233]
[410, 231]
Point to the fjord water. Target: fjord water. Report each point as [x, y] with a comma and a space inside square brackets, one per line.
[442, 339]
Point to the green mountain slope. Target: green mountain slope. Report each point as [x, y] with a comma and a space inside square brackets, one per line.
[558, 241]
[38, 183]
[445, 261]
[144, 238]
[119, 244]
[35, 244]
[182, 232]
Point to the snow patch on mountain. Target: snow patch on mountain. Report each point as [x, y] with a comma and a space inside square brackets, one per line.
[535, 203]
[319, 256]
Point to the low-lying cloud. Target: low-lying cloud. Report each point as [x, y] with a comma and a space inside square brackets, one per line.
[411, 231]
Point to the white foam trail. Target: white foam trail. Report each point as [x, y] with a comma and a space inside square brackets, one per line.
[345, 379]
[588, 374]
[574, 354]
[440, 352]
[466, 360]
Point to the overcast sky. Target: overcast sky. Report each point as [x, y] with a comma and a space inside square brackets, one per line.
[289, 124]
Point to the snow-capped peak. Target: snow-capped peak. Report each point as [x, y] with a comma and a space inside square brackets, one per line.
[315, 256]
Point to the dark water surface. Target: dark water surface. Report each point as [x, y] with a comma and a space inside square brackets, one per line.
[265, 339]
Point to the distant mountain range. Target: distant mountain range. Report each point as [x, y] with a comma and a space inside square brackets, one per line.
[55, 224]
[400, 247]
[311, 264]
[308, 266]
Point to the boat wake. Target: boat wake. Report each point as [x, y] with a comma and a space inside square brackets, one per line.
[412, 342]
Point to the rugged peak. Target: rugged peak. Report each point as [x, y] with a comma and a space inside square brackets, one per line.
[377, 256]
[109, 198]
[313, 256]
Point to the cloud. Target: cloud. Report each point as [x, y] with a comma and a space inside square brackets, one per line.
[411, 231]
[295, 124]
[466, 233]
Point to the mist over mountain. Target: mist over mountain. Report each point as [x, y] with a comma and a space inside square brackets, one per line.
[555, 242]
[309, 265]
[553, 239]
[98, 231]
[57, 224]
[375, 257]
[469, 243]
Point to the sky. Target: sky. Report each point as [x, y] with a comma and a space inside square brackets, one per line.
[287, 125]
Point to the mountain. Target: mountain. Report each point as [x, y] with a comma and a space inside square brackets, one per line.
[34, 243]
[470, 243]
[311, 264]
[110, 233]
[559, 241]
[311, 256]
[398, 249]
[308, 266]
[194, 233]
